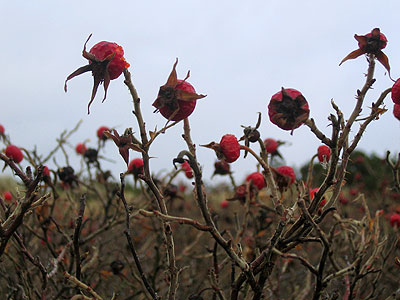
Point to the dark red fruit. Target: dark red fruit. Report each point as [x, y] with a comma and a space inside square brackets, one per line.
[7, 196]
[324, 153]
[287, 172]
[230, 147]
[271, 145]
[135, 167]
[176, 99]
[288, 109]
[224, 204]
[118, 64]
[187, 169]
[396, 111]
[2, 129]
[80, 148]
[257, 179]
[396, 92]
[106, 62]
[46, 172]
[14, 153]
[395, 220]
[100, 132]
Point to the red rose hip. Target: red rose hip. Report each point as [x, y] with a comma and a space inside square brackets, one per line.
[396, 111]
[100, 132]
[14, 153]
[257, 180]
[324, 153]
[271, 145]
[80, 148]
[106, 62]
[230, 147]
[288, 172]
[7, 196]
[176, 99]
[135, 167]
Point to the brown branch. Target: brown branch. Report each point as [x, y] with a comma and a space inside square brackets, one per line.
[130, 242]
[77, 232]
[180, 220]
[82, 286]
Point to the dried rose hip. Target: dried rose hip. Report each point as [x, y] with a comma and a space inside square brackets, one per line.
[91, 155]
[67, 175]
[106, 62]
[288, 109]
[324, 153]
[2, 130]
[257, 179]
[221, 168]
[117, 266]
[371, 43]
[177, 98]
[14, 153]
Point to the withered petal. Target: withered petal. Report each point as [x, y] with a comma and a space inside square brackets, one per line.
[187, 96]
[353, 55]
[173, 77]
[77, 72]
[384, 60]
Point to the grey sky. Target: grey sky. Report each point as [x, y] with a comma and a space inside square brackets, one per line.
[239, 52]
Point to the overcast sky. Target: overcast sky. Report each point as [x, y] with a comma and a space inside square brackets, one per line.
[239, 53]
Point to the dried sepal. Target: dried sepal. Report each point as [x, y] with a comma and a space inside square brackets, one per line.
[123, 142]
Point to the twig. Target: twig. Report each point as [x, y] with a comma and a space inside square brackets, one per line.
[78, 224]
[81, 285]
[130, 242]
[180, 220]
